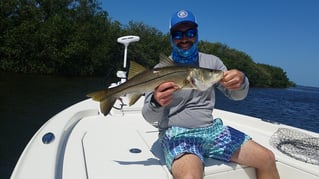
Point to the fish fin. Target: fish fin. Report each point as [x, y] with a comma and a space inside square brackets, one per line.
[133, 97]
[135, 69]
[165, 61]
[107, 104]
[98, 95]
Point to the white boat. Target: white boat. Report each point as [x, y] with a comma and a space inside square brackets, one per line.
[80, 143]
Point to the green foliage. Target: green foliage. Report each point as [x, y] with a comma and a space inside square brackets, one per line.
[260, 75]
[76, 37]
[64, 37]
[146, 52]
[278, 78]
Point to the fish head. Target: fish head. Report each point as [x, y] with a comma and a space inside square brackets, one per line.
[202, 79]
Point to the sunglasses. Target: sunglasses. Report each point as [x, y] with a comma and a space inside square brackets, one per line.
[178, 35]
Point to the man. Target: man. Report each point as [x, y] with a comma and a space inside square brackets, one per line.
[188, 131]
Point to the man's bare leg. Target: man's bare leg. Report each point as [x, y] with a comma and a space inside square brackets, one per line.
[187, 166]
[259, 157]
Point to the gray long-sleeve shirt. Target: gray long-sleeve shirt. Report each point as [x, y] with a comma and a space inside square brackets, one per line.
[191, 108]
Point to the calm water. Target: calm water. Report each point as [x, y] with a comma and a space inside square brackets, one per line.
[28, 101]
[297, 107]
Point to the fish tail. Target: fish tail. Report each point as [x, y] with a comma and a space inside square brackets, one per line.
[106, 99]
[107, 104]
[98, 95]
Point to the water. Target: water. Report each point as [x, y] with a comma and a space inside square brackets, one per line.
[297, 106]
[28, 101]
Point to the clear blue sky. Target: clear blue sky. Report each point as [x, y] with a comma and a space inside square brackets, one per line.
[283, 33]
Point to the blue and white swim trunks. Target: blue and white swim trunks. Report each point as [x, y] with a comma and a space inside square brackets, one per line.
[215, 141]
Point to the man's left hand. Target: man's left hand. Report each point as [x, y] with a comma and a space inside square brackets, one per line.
[233, 79]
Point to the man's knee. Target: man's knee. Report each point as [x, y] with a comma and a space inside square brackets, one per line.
[269, 157]
[187, 166]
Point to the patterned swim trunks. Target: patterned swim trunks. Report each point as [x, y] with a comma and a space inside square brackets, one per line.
[215, 141]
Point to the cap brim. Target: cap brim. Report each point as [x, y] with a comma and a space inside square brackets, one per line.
[184, 22]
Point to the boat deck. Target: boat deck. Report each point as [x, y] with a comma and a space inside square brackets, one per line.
[115, 139]
[88, 144]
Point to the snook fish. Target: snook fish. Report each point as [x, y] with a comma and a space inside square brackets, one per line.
[141, 81]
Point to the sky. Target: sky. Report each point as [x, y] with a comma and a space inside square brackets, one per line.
[282, 33]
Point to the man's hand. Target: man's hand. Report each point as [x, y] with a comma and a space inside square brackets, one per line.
[233, 79]
[163, 94]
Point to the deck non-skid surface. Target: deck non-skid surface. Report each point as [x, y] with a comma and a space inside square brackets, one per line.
[103, 145]
[113, 147]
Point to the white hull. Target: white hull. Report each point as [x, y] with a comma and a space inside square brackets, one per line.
[89, 145]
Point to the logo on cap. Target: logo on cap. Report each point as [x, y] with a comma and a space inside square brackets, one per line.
[182, 14]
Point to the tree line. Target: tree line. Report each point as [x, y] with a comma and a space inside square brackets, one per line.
[78, 38]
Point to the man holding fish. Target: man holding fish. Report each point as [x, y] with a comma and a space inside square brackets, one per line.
[188, 131]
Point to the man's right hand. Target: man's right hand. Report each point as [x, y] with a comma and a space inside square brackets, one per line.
[163, 94]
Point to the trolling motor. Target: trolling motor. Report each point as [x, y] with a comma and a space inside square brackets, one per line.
[125, 40]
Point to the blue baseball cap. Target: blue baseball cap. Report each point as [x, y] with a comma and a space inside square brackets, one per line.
[182, 16]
